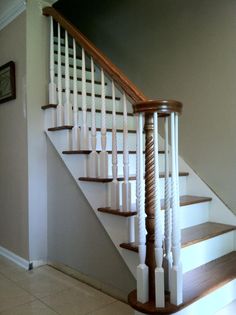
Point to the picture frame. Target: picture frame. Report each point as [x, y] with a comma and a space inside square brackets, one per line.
[7, 82]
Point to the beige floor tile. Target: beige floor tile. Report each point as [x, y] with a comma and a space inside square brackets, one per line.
[41, 285]
[33, 308]
[13, 272]
[77, 301]
[11, 295]
[117, 308]
[4, 262]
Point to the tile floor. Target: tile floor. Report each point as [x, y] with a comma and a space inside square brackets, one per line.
[46, 291]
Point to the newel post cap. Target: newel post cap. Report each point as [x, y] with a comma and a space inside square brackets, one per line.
[162, 107]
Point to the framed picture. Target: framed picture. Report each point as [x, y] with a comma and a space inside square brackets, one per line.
[7, 82]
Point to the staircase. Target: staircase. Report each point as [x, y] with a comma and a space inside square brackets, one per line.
[187, 265]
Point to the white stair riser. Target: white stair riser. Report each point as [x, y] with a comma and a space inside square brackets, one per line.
[98, 100]
[206, 251]
[202, 209]
[97, 87]
[132, 163]
[97, 75]
[212, 302]
[98, 118]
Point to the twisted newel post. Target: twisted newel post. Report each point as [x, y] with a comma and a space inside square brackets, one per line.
[153, 111]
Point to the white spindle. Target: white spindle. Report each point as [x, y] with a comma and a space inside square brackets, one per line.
[75, 130]
[60, 108]
[103, 154]
[67, 106]
[159, 271]
[167, 258]
[114, 186]
[93, 156]
[176, 287]
[126, 186]
[52, 84]
[84, 128]
[142, 269]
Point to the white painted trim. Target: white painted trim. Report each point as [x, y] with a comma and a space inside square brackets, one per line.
[7, 16]
[38, 263]
[15, 258]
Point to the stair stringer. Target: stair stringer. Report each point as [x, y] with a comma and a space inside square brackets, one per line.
[113, 225]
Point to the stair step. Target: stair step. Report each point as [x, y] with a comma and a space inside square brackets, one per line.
[194, 234]
[184, 201]
[108, 97]
[121, 179]
[109, 152]
[98, 129]
[109, 112]
[197, 284]
[70, 55]
[72, 66]
[80, 79]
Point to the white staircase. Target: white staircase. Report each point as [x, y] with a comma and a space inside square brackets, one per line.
[207, 225]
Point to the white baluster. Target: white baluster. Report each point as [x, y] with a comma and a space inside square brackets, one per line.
[67, 106]
[76, 129]
[159, 271]
[176, 271]
[103, 154]
[114, 185]
[52, 84]
[126, 186]
[142, 269]
[50, 114]
[60, 108]
[167, 258]
[92, 169]
[84, 128]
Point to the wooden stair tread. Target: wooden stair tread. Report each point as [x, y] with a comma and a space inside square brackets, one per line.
[70, 55]
[197, 283]
[80, 79]
[109, 112]
[96, 95]
[185, 200]
[117, 212]
[98, 151]
[98, 129]
[194, 234]
[72, 66]
[121, 179]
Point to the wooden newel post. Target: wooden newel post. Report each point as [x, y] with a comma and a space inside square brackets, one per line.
[150, 202]
[152, 110]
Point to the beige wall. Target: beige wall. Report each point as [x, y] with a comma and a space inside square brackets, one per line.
[184, 50]
[13, 144]
[37, 39]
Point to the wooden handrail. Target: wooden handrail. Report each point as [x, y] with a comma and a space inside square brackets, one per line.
[130, 89]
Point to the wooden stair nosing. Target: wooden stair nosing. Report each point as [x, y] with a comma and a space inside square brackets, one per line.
[70, 152]
[72, 66]
[108, 97]
[118, 212]
[185, 200]
[80, 79]
[78, 57]
[120, 179]
[194, 234]
[197, 283]
[108, 112]
[67, 127]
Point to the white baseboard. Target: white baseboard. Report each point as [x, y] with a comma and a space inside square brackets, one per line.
[15, 258]
[28, 265]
